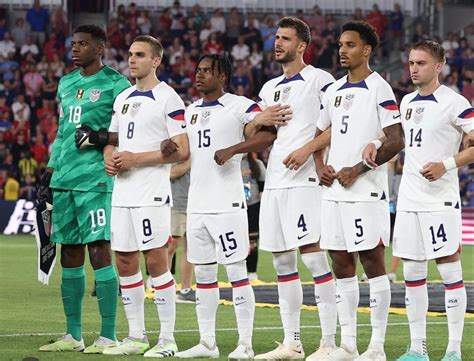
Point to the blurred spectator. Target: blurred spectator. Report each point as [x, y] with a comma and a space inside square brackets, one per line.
[451, 42]
[378, 20]
[197, 17]
[419, 34]
[11, 190]
[7, 46]
[19, 148]
[358, 15]
[3, 27]
[240, 51]
[178, 20]
[268, 31]
[256, 61]
[144, 22]
[316, 21]
[50, 84]
[217, 22]
[175, 51]
[53, 46]
[213, 45]
[252, 19]
[396, 24]
[39, 150]
[20, 32]
[33, 82]
[239, 78]
[28, 166]
[29, 47]
[403, 86]
[327, 55]
[165, 21]
[28, 189]
[251, 34]
[59, 22]
[42, 66]
[37, 17]
[452, 82]
[21, 110]
[233, 26]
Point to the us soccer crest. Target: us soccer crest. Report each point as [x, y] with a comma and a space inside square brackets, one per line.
[286, 93]
[205, 114]
[337, 101]
[348, 100]
[194, 118]
[408, 114]
[418, 117]
[125, 108]
[94, 95]
[135, 108]
[79, 93]
[276, 97]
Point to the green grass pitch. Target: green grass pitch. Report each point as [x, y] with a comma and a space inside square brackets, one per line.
[31, 314]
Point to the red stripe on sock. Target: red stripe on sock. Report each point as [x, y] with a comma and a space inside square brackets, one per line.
[133, 285]
[166, 285]
[207, 285]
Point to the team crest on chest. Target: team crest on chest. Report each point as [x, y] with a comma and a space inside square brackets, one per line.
[286, 93]
[408, 114]
[194, 118]
[205, 114]
[135, 108]
[337, 101]
[276, 97]
[419, 112]
[348, 100]
[94, 95]
[79, 93]
[125, 108]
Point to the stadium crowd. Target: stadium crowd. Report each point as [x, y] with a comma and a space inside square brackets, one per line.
[36, 52]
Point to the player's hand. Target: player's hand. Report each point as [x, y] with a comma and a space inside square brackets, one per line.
[433, 171]
[85, 136]
[168, 147]
[111, 168]
[326, 175]
[277, 114]
[368, 155]
[44, 192]
[347, 176]
[223, 155]
[125, 160]
[296, 158]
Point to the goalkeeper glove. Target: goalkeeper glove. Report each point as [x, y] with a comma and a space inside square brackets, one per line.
[44, 192]
[86, 136]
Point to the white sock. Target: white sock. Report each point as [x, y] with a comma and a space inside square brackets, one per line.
[455, 301]
[416, 301]
[290, 296]
[244, 301]
[379, 306]
[325, 294]
[165, 300]
[133, 298]
[207, 300]
[347, 301]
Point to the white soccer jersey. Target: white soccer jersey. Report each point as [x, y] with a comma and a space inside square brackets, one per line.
[212, 126]
[143, 120]
[434, 126]
[303, 93]
[357, 113]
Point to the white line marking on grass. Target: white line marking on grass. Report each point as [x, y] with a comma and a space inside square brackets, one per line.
[263, 328]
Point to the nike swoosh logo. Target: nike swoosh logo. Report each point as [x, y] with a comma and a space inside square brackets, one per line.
[65, 94]
[396, 116]
[437, 249]
[183, 126]
[303, 236]
[359, 242]
[240, 303]
[95, 232]
[453, 306]
[230, 254]
[126, 304]
[148, 240]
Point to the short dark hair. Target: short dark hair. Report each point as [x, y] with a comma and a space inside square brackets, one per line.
[222, 62]
[431, 47]
[156, 47]
[95, 31]
[366, 32]
[302, 29]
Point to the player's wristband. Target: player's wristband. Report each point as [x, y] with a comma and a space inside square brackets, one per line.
[377, 143]
[449, 164]
[101, 137]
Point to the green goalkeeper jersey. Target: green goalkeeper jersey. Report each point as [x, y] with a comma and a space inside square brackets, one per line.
[83, 100]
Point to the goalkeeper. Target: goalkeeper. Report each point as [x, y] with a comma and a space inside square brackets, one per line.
[76, 184]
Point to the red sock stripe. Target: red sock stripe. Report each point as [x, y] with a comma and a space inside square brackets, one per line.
[323, 278]
[207, 285]
[454, 286]
[289, 277]
[416, 283]
[166, 285]
[240, 283]
[133, 285]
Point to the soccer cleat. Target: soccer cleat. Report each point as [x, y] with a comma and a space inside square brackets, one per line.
[342, 354]
[413, 356]
[451, 356]
[100, 345]
[242, 352]
[200, 350]
[323, 353]
[65, 343]
[372, 355]
[164, 348]
[188, 296]
[129, 346]
[283, 352]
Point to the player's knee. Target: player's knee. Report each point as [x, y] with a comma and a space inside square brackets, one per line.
[236, 271]
[285, 262]
[206, 273]
[450, 272]
[127, 263]
[72, 256]
[415, 270]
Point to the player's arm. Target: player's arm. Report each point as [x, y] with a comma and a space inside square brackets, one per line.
[370, 151]
[260, 141]
[326, 173]
[111, 168]
[179, 169]
[435, 170]
[128, 160]
[275, 115]
[299, 157]
[393, 144]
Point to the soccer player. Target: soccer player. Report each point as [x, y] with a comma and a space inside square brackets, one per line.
[144, 116]
[428, 226]
[290, 205]
[217, 226]
[81, 190]
[359, 107]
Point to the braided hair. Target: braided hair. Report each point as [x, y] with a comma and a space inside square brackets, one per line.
[224, 66]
